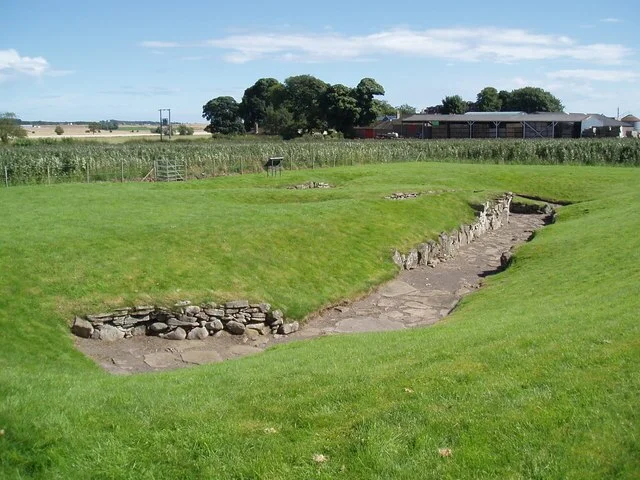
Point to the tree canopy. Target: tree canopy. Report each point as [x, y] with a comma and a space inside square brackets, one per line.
[454, 104]
[488, 100]
[223, 114]
[10, 127]
[530, 100]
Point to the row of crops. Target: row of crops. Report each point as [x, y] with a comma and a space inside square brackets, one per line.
[80, 162]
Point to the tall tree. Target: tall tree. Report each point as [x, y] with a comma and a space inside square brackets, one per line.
[364, 92]
[280, 121]
[488, 100]
[454, 104]
[10, 127]
[406, 109]
[382, 108]
[303, 94]
[341, 109]
[505, 100]
[223, 114]
[265, 93]
[533, 99]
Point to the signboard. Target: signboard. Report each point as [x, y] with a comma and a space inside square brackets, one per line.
[435, 123]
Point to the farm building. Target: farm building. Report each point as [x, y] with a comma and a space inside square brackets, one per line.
[510, 125]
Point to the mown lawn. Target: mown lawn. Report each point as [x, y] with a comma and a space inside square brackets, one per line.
[535, 376]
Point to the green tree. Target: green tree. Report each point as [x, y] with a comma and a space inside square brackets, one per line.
[382, 108]
[94, 127]
[265, 93]
[303, 96]
[223, 114]
[488, 100]
[341, 109]
[505, 100]
[533, 99]
[185, 129]
[59, 130]
[406, 110]
[10, 127]
[280, 121]
[364, 92]
[454, 104]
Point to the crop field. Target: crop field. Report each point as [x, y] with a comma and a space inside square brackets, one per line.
[34, 162]
[536, 375]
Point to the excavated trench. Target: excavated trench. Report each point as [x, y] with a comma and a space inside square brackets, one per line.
[415, 298]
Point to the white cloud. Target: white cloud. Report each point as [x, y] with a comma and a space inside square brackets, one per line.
[611, 20]
[595, 75]
[499, 45]
[12, 63]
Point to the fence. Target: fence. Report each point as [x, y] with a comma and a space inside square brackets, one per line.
[48, 164]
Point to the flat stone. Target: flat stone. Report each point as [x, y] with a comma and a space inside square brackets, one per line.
[265, 307]
[199, 333]
[385, 303]
[237, 304]
[241, 350]
[366, 324]
[139, 331]
[184, 321]
[160, 359]
[396, 288]
[256, 326]
[201, 357]
[214, 312]
[82, 328]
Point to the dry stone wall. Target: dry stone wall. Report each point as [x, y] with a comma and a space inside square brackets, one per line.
[490, 216]
[184, 321]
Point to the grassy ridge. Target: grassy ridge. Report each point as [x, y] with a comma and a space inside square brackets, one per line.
[535, 376]
[68, 161]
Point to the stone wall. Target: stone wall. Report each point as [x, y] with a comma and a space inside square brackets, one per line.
[490, 216]
[184, 321]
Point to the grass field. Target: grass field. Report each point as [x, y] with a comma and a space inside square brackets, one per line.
[534, 376]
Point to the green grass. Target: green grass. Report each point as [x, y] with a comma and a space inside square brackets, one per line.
[534, 376]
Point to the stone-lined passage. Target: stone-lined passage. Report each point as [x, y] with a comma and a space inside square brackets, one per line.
[490, 216]
[184, 321]
[308, 185]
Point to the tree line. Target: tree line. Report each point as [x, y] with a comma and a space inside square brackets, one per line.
[489, 99]
[302, 104]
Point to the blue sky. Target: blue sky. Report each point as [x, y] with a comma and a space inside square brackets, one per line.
[90, 60]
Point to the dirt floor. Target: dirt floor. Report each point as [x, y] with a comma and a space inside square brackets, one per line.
[415, 298]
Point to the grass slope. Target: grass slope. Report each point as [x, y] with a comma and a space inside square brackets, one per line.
[535, 376]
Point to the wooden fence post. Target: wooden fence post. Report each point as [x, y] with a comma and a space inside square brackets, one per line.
[6, 177]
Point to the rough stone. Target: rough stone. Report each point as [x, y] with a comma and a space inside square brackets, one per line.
[82, 328]
[411, 261]
[110, 333]
[201, 357]
[237, 304]
[214, 312]
[256, 326]
[264, 307]
[398, 259]
[203, 317]
[234, 327]
[158, 327]
[274, 317]
[177, 334]
[214, 325]
[199, 333]
[139, 331]
[289, 328]
[184, 321]
[505, 258]
[192, 310]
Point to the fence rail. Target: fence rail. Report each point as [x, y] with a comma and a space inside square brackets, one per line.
[42, 164]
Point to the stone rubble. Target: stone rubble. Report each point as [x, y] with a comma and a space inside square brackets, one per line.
[184, 321]
[308, 185]
[402, 196]
[490, 216]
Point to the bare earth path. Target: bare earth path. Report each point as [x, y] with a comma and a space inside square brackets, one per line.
[414, 298]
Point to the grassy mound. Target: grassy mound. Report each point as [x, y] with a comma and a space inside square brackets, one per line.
[535, 376]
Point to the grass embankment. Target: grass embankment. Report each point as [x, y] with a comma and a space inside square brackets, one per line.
[535, 376]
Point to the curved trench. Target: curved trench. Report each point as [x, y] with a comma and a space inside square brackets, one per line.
[415, 298]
